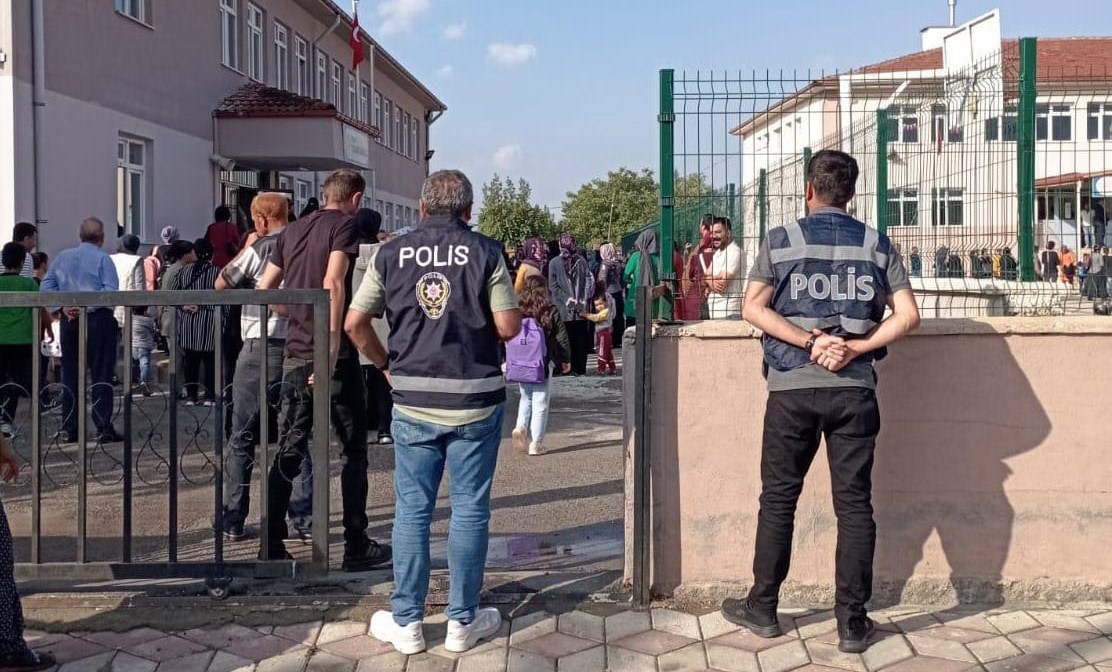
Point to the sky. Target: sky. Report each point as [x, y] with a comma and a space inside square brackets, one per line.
[560, 92]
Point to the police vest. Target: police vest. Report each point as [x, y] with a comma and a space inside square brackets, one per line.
[443, 344]
[831, 273]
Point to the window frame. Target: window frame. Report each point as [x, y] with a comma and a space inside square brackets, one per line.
[126, 171]
[943, 199]
[903, 198]
[282, 56]
[322, 76]
[1095, 114]
[364, 102]
[303, 192]
[414, 141]
[376, 120]
[903, 115]
[388, 129]
[397, 128]
[229, 34]
[1004, 128]
[256, 43]
[405, 134]
[1046, 114]
[352, 95]
[304, 69]
[142, 11]
[337, 88]
[940, 112]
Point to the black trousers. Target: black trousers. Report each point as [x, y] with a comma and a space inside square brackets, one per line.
[192, 360]
[349, 418]
[380, 400]
[15, 378]
[101, 363]
[579, 337]
[849, 420]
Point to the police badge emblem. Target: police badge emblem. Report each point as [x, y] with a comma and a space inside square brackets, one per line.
[433, 290]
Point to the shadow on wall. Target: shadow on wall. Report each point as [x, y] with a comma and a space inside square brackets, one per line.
[953, 410]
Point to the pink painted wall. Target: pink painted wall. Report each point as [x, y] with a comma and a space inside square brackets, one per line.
[994, 464]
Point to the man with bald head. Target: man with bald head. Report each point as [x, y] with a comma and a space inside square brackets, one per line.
[87, 268]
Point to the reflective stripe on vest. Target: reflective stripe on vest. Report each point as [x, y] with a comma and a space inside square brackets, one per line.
[447, 385]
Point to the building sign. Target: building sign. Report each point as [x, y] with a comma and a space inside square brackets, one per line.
[357, 147]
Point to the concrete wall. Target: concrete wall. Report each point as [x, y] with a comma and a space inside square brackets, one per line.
[991, 469]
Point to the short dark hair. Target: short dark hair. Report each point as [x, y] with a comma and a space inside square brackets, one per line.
[13, 255]
[833, 174]
[707, 220]
[342, 184]
[140, 310]
[40, 259]
[23, 230]
[1050, 245]
[203, 248]
[724, 221]
[222, 214]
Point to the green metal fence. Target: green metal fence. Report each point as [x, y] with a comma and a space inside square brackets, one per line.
[972, 173]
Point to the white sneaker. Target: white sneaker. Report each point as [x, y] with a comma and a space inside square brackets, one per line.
[536, 449]
[7, 430]
[521, 437]
[462, 637]
[409, 640]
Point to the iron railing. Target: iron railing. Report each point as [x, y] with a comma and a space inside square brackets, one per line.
[153, 453]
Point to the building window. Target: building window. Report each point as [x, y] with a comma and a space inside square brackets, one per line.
[903, 207]
[281, 56]
[353, 96]
[302, 196]
[337, 85]
[376, 120]
[941, 126]
[1100, 121]
[947, 207]
[1057, 118]
[131, 184]
[322, 76]
[283, 183]
[405, 134]
[398, 128]
[1009, 123]
[388, 126]
[229, 33]
[388, 217]
[378, 207]
[255, 41]
[364, 94]
[903, 123]
[414, 143]
[136, 9]
[301, 50]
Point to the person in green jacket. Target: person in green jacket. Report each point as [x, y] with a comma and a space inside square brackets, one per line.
[643, 275]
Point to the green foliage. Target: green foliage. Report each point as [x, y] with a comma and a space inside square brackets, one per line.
[509, 215]
[605, 208]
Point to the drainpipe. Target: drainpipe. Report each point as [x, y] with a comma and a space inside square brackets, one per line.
[430, 119]
[38, 102]
[316, 80]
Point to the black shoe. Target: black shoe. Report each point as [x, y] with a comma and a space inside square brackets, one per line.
[373, 555]
[275, 554]
[109, 437]
[385, 439]
[27, 661]
[740, 613]
[66, 437]
[853, 636]
[234, 533]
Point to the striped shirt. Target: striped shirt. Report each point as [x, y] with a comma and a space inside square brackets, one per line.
[195, 330]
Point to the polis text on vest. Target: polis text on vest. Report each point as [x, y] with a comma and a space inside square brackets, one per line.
[437, 257]
[821, 287]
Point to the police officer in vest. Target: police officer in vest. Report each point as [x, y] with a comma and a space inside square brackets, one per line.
[449, 301]
[818, 291]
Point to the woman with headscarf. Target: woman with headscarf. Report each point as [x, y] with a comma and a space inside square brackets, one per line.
[572, 286]
[311, 206]
[533, 261]
[195, 325]
[610, 275]
[642, 271]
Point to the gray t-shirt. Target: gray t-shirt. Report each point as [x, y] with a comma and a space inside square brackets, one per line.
[811, 375]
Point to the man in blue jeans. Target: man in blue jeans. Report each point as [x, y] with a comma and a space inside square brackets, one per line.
[448, 299]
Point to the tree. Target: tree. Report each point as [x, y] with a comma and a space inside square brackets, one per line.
[606, 208]
[510, 216]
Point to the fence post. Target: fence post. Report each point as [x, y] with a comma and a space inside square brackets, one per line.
[731, 203]
[882, 170]
[1025, 157]
[667, 120]
[762, 206]
[806, 165]
[642, 437]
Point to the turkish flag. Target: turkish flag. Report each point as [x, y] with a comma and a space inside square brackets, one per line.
[356, 43]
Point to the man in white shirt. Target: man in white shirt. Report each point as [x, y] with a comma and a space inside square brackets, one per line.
[129, 270]
[726, 279]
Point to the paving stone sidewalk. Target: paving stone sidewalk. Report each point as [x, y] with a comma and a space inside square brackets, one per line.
[662, 640]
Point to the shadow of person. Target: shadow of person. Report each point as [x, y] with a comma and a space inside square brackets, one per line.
[954, 409]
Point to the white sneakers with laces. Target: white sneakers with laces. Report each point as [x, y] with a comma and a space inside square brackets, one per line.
[407, 640]
[462, 637]
[410, 640]
[536, 449]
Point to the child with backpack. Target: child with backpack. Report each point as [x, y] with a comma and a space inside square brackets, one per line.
[543, 341]
[603, 318]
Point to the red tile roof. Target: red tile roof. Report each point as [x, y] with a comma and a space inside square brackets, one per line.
[1058, 58]
[253, 100]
